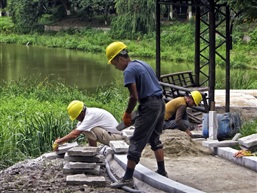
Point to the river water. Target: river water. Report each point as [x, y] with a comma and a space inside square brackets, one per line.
[76, 68]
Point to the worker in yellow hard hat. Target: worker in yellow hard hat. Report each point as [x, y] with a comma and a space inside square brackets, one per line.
[144, 88]
[98, 125]
[176, 112]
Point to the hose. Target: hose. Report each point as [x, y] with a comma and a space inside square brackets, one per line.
[126, 188]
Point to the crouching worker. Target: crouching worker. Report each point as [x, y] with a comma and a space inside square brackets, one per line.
[98, 125]
[176, 112]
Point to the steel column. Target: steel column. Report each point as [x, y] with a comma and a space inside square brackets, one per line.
[212, 65]
[158, 40]
[228, 47]
[197, 46]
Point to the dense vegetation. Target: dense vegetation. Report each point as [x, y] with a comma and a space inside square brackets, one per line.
[33, 113]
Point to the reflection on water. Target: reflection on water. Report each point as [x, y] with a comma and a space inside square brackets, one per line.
[77, 68]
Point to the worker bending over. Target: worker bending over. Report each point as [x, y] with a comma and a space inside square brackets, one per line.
[98, 125]
[176, 112]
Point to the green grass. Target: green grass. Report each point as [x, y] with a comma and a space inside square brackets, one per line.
[249, 128]
[34, 114]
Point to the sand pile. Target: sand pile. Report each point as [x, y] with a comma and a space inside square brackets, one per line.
[178, 143]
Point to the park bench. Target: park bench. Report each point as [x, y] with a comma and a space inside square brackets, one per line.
[182, 84]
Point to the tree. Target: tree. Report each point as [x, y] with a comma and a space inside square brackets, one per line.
[28, 15]
[133, 17]
[246, 9]
[24, 13]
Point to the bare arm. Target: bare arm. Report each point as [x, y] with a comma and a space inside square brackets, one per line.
[179, 117]
[72, 135]
[133, 97]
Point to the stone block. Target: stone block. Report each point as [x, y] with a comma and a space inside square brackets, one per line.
[128, 131]
[248, 141]
[83, 151]
[119, 146]
[80, 179]
[89, 159]
[216, 143]
[213, 125]
[68, 170]
[82, 165]
[50, 155]
[62, 149]
[236, 137]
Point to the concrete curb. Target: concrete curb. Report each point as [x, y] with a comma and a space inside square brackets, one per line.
[155, 180]
[246, 161]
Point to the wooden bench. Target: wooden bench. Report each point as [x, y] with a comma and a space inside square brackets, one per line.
[182, 84]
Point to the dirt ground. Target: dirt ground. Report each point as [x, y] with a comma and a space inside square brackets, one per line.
[38, 175]
[187, 162]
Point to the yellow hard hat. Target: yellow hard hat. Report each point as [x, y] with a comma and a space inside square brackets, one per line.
[74, 109]
[113, 49]
[197, 97]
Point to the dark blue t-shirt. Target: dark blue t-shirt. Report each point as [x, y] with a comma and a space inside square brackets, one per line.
[143, 75]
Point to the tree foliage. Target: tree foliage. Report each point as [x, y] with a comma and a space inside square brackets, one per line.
[27, 14]
[133, 17]
[247, 9]
[24, 13]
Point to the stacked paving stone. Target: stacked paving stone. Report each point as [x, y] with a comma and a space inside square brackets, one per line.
[61, 151]
[248, 143]
[82, 161]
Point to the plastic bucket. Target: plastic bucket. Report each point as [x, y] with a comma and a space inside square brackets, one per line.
[228, 125]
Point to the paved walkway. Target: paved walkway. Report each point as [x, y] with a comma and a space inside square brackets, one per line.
[238, 98]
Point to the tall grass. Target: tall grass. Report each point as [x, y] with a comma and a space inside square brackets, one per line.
[33, 114]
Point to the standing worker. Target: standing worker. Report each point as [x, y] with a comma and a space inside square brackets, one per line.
[144, 88]
[98, 125]
[176, 112]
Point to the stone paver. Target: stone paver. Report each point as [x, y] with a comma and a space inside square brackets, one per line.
[119, 146]
[216, 143]
[68, 170]
[90, 159]
[78, 179]
[248, 141]
[83, 151]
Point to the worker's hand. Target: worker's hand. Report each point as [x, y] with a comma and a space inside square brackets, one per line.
[55, 146]
[127, 119]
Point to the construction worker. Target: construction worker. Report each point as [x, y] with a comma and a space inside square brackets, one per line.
[98, 125]
[176, 112]
[145, 89]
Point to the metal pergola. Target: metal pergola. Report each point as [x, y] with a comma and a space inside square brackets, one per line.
[207, 28]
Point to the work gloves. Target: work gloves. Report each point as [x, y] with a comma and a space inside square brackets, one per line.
[127, 119]
[55, 146]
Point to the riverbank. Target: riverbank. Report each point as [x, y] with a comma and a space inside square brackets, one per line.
[180, 43]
